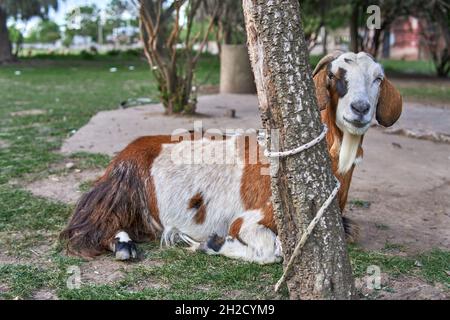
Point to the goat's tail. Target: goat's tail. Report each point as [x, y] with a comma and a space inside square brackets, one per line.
[351, 229]
[118, 201]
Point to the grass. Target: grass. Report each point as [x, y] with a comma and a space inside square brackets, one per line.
[432, 266]
[409, 67]
[67, 91]
[209, 278]
[20, 210]
[438, 92]
[360, 203]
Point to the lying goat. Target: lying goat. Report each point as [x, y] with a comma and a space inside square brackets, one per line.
[224, 208]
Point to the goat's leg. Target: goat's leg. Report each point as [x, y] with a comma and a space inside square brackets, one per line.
[123, 247]
[251, 242]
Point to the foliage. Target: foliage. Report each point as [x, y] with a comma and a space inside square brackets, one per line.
[121, 13]
[26, 9]
[46, 31]
[435, 27]
[82, 21]
[19, 9]
[16, 37]
[318, 14]
[229, 20]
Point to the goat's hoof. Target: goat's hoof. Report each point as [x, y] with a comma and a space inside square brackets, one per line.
[125, 250]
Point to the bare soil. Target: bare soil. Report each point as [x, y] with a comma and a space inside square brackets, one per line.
[64, 188]
[400, 288]
[406, 183]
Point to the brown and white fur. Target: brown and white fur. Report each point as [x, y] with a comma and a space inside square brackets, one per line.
[223, 207]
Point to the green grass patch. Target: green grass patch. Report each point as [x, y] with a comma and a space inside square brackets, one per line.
[437, 92]
[20, 210]
[90, 160]
[436, 266]
[391, 264]
[409, 67]
[23, 280]
[433, 266]
[360, 203]
[209, 277]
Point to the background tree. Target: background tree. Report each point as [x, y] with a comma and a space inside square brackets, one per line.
[116, 10]
[46, 31]
[323, 15]
[435, 31]
[120, 14]
[363, 39]
[171, 54]
[229, 21]
[23, 9]
[165, 16]
[82, 21]
[16, 37]
[303, 182]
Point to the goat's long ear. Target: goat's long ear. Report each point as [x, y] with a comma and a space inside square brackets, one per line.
[389, 104]
[320, 75]
[321, 84]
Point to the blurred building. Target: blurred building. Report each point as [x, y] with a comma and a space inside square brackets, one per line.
[407, 39]
[410, 39]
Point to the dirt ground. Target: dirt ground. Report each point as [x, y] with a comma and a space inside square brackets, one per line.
[400, 195]
[64, 188]
[405, 183]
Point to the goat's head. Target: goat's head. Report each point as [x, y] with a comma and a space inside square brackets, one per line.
[355, 86]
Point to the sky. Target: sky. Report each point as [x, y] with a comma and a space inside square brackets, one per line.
[59, 15]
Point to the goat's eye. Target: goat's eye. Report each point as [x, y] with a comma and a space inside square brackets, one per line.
[331, 76]
[378, 79]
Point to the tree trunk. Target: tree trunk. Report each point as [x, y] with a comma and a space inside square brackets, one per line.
[5, 43]
[325, 41]
[354, 37]
[303, 182]
[387, 44]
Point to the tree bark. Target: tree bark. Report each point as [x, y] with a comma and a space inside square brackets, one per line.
[5, 44]
[303, 182]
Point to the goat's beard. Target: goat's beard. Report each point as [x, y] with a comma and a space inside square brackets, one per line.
[348, 151]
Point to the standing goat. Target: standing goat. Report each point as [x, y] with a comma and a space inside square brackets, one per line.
[224, 207]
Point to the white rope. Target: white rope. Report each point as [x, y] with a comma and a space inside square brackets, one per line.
[306, 234]
[278, 154]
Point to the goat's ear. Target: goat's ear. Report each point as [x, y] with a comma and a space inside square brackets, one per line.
[321, 84]
[389, 105]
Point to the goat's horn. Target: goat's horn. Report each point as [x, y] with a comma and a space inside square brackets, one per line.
[325, 60]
